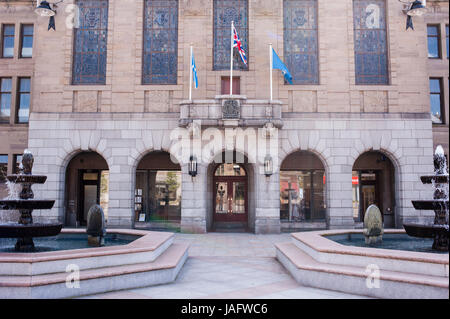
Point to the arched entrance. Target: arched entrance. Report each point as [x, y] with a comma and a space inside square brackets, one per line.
[232, 194]
[87, 184]
[302, 192]
[373, 182]
[157, 196]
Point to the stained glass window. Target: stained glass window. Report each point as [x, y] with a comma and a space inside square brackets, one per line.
[371, 61]
[89, 54]
[300, 40]
[226, 11]
[160, 53]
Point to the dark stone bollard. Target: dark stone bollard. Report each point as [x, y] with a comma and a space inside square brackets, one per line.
[96, 226]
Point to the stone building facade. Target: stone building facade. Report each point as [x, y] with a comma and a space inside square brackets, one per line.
[335, 119]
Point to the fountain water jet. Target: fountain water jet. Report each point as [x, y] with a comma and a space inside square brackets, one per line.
[439, 231]
[24, 230]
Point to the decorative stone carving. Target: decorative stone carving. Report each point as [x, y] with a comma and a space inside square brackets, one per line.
[157, 101]
[231, 109]
[373, 225]
[96, 226]
[375, 101]
[86, 101]
[195, 8]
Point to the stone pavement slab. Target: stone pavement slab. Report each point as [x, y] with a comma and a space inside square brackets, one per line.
[230, 266]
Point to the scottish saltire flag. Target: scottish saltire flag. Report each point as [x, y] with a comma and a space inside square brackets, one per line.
[278, 64]
[238, 44]
[194, 72]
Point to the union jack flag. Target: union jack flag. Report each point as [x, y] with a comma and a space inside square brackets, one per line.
[238, 44]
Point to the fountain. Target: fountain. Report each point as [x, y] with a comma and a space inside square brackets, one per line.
[439, 231]
[24, 230]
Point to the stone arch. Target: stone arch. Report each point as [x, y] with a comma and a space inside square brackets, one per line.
[307, 203]
[70, 191]
[144, 202]
[252, 182]
[386, 168]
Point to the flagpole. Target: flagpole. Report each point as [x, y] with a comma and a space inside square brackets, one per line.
[231, 69]
[190, 77]
[271, 71]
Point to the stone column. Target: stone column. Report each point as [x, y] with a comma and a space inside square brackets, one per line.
[121, 195]
[339, 197]
[193, 201]
[267, 211]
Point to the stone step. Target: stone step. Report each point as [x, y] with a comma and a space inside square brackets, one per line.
[350, 279]
[230, 227]
[93, 281]
[327, 251]
[143, 250]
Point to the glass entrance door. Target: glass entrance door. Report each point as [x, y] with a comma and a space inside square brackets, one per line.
[90, 193]
[230, 189]
[231, 201]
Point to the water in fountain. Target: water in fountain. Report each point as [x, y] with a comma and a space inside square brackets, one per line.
[10, 216]
[441, 189]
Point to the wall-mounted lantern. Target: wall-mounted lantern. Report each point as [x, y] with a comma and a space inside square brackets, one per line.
[414, 9]
[45, 9]
[268, 166]
[193, 166]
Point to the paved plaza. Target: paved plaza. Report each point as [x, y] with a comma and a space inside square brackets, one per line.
[230, 266]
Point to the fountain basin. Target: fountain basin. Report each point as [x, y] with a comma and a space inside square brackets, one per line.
[425, 231]
[15, 230]
[27, 179]
[315, 260]
[26, 204]
[151, 259]
[435, 204]
[438, 179]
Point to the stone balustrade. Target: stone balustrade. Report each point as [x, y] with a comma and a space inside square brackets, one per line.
[236, 110]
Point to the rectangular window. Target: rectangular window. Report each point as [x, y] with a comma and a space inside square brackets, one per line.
[17, 162]
[434, 42]
[157, 196]
[3, 172]
[371, 59]
[226, 11]
[160, 48]
[26, 41]
[436, 101]
[446, 39]
[23, 101]
[90, 41]
[5, 99]
[8, 41]
[300, 40]
[302, 195]
[225, 85]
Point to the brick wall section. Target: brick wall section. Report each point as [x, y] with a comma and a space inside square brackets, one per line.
[337, 91]
[14, 137]
[438, 15]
